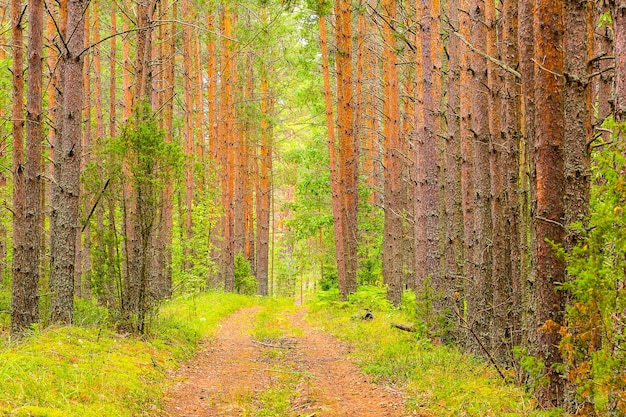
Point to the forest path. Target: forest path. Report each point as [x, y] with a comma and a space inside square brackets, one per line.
[306, 375]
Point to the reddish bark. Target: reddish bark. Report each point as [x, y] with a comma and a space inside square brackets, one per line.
[619, 30]
[264, 188]
[334, 174]
[392, 233]
[24, 306]
[347, 141]
[549, 159]
[427, 149]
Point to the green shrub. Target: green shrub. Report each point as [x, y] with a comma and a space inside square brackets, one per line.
[245, 282]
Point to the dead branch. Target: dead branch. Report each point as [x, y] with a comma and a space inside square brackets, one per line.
[406, 327]
[270, 345]
[488, 57]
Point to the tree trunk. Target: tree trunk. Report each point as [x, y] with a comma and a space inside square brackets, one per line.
[501, 262]
[265, 185]
[427, 150]
[334, 174]
[467, 169]
[549, 159]
[619, 30]
[67, 178]
[453, 244]
[24, 306]
[479, 296]
[579, 30]
[348, 149]
[392, 233]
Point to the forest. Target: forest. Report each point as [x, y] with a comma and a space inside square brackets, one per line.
[456, 167]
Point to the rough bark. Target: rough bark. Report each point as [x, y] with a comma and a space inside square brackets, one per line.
[549, 159]
[334, 174]
[24, 306]
[579, 31]
[67, 171]
[264, 187]
[427, 150]
[453, 243]
[479, 296]
[512, 135]
[347, 141]
[392, 233]
[619, 30]
[501, 262]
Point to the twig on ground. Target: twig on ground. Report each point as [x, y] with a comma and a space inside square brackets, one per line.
[271, 345]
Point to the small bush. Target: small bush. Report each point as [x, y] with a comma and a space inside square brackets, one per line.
[245, 282]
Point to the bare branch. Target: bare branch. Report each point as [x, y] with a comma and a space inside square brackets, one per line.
[488, 57]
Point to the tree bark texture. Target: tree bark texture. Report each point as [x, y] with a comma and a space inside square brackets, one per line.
[392, 193]
[551, 181]
[67, 169]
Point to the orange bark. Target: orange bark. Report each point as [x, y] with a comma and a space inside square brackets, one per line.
[348, 147]
[264, 188]
[226, 136]
[392, 238]
[334, 174]
[549, 159]
[188, 128]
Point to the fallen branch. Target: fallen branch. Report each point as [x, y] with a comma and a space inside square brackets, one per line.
[406, 327]
[270, 345]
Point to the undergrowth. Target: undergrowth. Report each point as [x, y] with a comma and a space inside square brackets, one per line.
[440, 380]
[93, 371]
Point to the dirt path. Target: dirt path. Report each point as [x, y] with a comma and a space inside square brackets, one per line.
[303, 377]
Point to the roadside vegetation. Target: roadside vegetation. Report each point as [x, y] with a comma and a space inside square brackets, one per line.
[439, 379]
[91, 370]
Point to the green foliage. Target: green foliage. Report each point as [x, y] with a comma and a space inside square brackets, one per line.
[74, 371]
[421, 307]
[592, 341]
[533, 366]
[191, 257]
[370, 297]
[245, 282]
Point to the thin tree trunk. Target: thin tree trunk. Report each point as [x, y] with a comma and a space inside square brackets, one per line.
[265, 185]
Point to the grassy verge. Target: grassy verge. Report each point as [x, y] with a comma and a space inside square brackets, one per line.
[439, 379]
[93, 371]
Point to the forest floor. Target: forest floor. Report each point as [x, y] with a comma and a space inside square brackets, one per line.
[305, 373]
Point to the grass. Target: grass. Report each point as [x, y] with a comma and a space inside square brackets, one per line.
[273, 326]
[93, 371]
[440, 380]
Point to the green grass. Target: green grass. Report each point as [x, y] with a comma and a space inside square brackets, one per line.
[93, 371]
[440, 380]
[273, 322]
